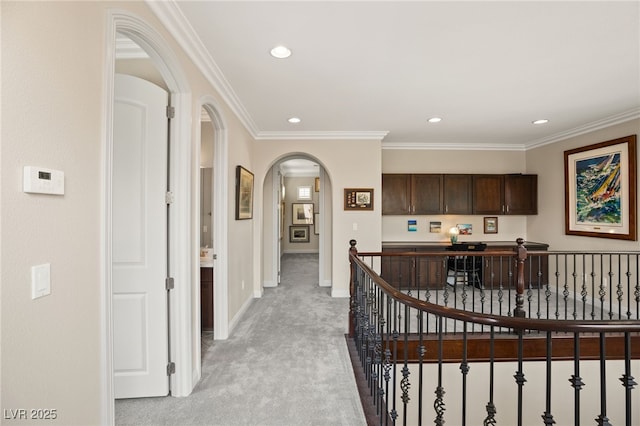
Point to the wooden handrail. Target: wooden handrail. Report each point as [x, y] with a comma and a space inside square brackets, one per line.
[516, 322]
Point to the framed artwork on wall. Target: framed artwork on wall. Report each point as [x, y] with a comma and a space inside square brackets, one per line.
[244, 193]
[491, 225]
[358, 198]
[302, 214]
[299, 234]
[600, 189]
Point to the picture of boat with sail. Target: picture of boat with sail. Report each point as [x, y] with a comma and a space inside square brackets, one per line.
[598, 190]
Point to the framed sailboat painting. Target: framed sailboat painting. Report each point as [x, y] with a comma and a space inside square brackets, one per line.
[600, 189]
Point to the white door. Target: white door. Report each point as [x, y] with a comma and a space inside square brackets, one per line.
[139, 251]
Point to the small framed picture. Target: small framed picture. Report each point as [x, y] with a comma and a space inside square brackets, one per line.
[299, 234]
[491, 225]
[302, 213]
[358, 198]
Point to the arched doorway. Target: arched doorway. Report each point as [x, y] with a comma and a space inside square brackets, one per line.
[287, 176]
[180, 233]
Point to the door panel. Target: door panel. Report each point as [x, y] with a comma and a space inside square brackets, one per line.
[139, 257]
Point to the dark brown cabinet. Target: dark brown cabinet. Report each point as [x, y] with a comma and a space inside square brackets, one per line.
[488, 194]
[457, 194]
[396, 194]
[412, 272]
[404, 194]
[206, 298]
[521, 194]
[432, 194]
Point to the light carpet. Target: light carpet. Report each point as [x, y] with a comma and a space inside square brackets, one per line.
[286, 363]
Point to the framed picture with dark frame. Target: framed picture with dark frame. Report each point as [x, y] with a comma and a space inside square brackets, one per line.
[244, 193]
[491, 225]
[358, 198]
[299, 233]
[600, 189]
[302, 213]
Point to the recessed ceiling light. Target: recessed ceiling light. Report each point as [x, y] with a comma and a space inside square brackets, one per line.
[280, 52]
[294, 120]
[541, 121]
[434, 120]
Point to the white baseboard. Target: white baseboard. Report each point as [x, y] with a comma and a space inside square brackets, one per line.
[269, 284]
[300, 251]
[238, 316]
[326, 283]
[340, 293]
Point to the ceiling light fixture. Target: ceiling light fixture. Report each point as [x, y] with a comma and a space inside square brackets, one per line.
[434, 120]
[541, 121]
[294, 120]
[280, 52]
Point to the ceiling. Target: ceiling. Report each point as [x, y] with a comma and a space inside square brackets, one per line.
[380, 69]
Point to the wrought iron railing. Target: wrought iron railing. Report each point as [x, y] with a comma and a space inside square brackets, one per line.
[561, 318]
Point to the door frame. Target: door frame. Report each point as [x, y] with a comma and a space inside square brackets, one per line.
[180, 233]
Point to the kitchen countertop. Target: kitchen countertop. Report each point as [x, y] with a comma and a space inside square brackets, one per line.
[442, 244]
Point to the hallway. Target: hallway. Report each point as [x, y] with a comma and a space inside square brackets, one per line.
[286, 364]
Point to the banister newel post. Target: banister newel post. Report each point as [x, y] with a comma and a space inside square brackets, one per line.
[353, 251]
[521, 256]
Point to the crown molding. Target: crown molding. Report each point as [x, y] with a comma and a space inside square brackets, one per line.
[448, 146]
[612, 120]
[179, 27]
[317, 135]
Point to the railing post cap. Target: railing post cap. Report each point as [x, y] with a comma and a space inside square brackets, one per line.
[352, 243]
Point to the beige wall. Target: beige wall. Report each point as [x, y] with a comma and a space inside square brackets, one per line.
[394, 228]
[344, 172]
[53, 67]
[548, 162]
[291, 184]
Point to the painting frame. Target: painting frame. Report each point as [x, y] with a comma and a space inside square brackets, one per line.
[490, 224]
[299, 233]
[302, 213]
[244, 193]
[600, 189]
[358, 198]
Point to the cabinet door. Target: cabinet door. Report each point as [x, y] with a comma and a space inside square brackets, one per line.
[521, 194]
[206, 298]
[488, 194]
[498, 272]
[398, 271]
[457, 194]
[426, 194]
[430, 272]
[396, 194]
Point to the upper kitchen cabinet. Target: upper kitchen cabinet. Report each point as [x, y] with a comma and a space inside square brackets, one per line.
[457, 194]
[396, 194]
[404, 194]
[521, 194]
[488, 194]
[433, 194]
[426, 194]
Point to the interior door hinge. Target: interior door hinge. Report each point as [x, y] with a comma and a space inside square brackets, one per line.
[171, 111]
[171, 368]
[168, 197]
[168, 283]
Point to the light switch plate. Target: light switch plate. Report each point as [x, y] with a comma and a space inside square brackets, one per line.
[40, 280]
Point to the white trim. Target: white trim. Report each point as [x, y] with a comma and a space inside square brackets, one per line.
[220, 218]
[326, 283]
[339, 293]
[180, 28]
[180, 233]
[452, 146]
[239, 315]
[587, 128]
[301, 251]
[320, 135]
